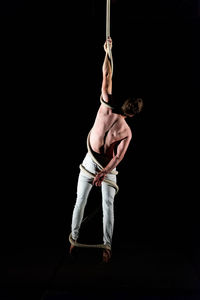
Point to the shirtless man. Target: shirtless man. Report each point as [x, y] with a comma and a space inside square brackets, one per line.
[109, 139]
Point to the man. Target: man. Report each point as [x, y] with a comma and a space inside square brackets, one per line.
[109, 139]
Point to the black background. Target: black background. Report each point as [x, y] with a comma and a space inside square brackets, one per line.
[51, 81]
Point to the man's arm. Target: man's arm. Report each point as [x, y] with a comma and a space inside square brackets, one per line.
[121, 150]
[106, 88]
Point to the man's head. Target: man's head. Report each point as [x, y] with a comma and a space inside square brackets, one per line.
[132, 106]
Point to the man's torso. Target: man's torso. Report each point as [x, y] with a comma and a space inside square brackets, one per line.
[107, 132]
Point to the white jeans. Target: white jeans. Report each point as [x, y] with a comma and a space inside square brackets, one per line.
[83, 189]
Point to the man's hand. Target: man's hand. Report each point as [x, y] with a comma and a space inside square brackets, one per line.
[98, 179]
[108, 44]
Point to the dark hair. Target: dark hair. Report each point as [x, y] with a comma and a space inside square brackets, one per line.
[132, 106]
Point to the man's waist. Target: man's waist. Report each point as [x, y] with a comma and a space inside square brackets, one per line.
[102, 158]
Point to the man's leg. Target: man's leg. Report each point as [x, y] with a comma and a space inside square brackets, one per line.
[108, 194]
[83, 188]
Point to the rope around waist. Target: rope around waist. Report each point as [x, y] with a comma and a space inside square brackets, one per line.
[92, 175]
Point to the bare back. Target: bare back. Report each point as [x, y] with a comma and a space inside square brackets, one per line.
[109, 130]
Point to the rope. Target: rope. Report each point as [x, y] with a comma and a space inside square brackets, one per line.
[108, 32]
[74, 243]
[93, 157]
[91, 175]
[83, 169]
[107, 19]
[105, 103]
[109, 182]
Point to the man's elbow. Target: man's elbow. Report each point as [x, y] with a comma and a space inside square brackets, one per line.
[104, 93]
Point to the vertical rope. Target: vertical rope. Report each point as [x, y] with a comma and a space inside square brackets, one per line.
[108, 31]
[107, 19]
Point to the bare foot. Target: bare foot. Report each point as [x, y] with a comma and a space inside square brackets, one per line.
[106, 255]
[71, 249]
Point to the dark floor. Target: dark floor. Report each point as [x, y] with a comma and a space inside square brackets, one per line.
[140, 271]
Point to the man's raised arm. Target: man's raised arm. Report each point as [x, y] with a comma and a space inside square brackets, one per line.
[106, 88]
